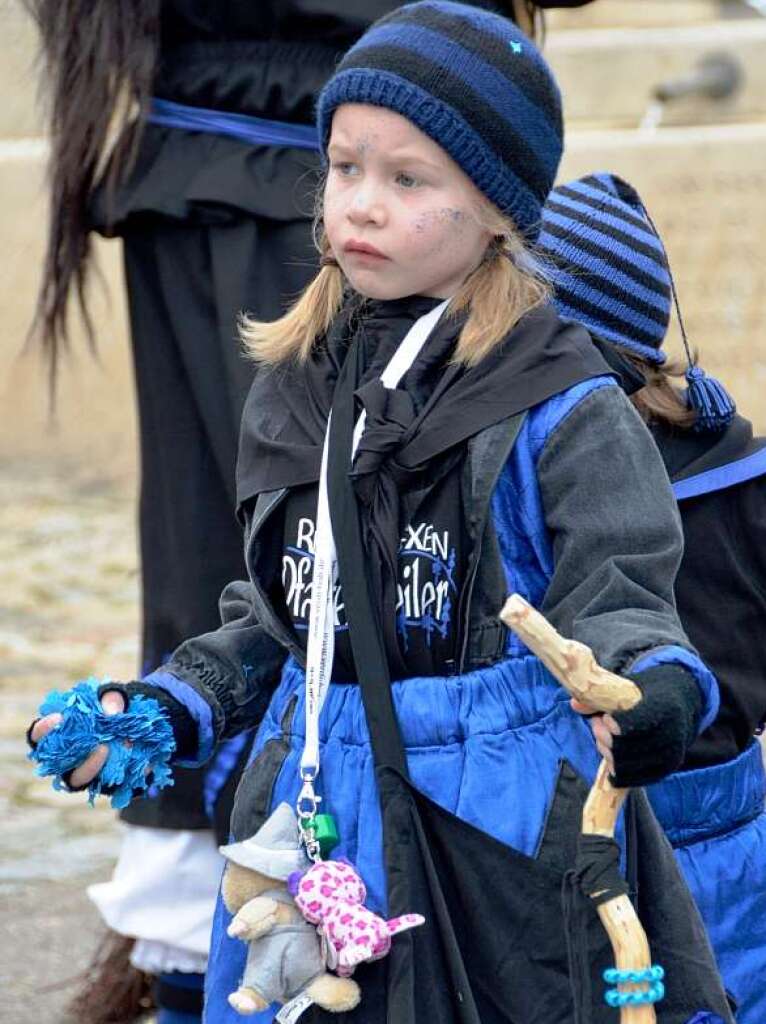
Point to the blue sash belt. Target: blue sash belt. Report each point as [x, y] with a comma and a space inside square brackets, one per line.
[256, 130]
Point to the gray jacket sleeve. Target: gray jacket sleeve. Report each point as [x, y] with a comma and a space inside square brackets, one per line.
[236, 667]
[224, 679]
[617, 540]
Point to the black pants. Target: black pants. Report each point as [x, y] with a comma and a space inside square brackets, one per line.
[186, 285]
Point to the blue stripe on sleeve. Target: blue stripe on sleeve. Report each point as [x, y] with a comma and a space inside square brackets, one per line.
[198, 708]
[721, 477]
[223, 765]
[674, 655]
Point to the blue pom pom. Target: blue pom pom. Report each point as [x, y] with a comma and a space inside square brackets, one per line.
[711, 401]
[140, 742]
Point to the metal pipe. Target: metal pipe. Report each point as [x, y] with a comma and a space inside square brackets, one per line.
[717, 76]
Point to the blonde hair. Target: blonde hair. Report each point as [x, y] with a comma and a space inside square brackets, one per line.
[504, 287]
[660, 400]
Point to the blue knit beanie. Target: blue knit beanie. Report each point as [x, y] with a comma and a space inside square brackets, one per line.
[610, 268]
[474, 83]
[611, 273]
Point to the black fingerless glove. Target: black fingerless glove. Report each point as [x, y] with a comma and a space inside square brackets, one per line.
[657, 732]
[181, 722]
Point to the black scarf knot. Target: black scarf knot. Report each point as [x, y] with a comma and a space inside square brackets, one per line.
[390, 413]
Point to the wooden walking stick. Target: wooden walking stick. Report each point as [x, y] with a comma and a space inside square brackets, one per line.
[574, 666]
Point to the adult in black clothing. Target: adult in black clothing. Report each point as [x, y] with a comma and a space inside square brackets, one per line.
[207, 220]
[212, 222]
[612, 274]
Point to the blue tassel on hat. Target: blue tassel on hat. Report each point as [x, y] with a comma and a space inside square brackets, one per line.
[711, 401]
[714, 406]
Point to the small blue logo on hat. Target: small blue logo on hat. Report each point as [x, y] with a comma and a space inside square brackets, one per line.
[516, 47]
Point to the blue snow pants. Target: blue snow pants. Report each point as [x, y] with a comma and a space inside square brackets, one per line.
[486, 745]
[715, 819]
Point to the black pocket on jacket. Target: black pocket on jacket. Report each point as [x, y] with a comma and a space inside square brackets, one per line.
[252, 801]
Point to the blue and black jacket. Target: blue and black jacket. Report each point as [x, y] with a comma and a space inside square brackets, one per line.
[569, 506]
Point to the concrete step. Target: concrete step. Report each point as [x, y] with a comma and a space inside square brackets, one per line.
[19, 111]
[647, 13]
[584, 56]
[607, 76]
[95, 414]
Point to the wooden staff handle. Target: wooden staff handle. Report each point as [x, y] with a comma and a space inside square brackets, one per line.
[574, 666]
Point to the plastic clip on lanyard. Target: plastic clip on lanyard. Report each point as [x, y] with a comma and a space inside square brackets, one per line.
[320, 647]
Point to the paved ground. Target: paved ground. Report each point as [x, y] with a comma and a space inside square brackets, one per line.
[68, 608]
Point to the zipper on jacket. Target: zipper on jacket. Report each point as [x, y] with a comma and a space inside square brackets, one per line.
[464, 604]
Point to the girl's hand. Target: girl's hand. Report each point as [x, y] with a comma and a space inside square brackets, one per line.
[112, 703]
[604, 727]
[643, 745]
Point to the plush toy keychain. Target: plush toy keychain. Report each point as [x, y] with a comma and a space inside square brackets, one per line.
[285, 959]
[331, 895]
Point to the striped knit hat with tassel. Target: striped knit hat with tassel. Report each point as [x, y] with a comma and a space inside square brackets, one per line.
[611, 273]
[474, 83]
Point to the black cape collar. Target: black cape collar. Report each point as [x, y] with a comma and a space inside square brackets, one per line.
[286, 412]
[686, 453]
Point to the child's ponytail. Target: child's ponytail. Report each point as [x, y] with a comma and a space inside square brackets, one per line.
[293, 335]
[504, 287]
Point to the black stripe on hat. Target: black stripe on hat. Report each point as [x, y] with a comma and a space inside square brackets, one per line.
[611, 290]
[599, 204]
[488, 47]
[576, 217]
[457, 93]
[607, 318]
[622, 190]
[609, 256]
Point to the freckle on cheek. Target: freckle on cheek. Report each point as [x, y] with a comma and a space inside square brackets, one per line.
[450, 215]
[438, 223]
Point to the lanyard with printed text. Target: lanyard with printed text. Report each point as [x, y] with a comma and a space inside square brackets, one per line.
[320, 647]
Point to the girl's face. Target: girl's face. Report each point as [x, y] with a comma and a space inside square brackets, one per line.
[400, 215]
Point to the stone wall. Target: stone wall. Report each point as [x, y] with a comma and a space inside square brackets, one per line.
[701, 172]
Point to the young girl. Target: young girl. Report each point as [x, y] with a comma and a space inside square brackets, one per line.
[613, 276]
[207, 188]
[506, 459]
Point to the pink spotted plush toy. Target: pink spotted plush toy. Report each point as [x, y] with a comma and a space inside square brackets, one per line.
[331, 895]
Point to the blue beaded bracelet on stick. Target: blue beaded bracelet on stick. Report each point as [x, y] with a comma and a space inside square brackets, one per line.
[140, 742]
[650, 976]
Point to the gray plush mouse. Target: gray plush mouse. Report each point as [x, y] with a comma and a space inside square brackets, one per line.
[285, 962]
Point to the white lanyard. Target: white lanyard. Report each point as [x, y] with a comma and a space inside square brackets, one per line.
[321, 632]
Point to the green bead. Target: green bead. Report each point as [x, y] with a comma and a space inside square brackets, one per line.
[325, 833]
